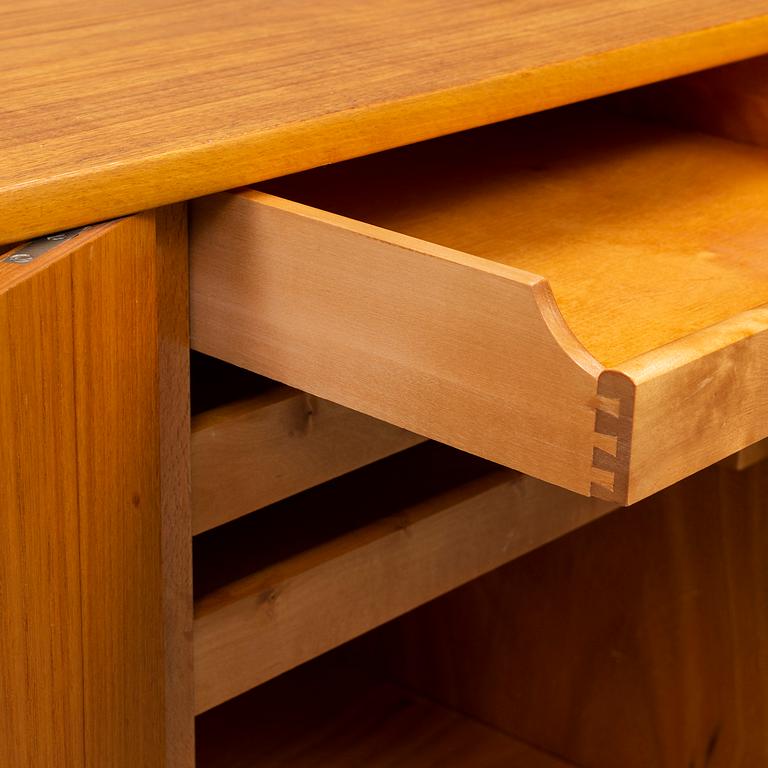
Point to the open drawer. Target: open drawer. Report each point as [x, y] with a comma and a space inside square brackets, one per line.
[577, 295]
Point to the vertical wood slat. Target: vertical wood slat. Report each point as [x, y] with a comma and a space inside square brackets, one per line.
[96, 573]
[174, 455]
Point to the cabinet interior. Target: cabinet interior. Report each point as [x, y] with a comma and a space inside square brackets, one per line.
[647, 232]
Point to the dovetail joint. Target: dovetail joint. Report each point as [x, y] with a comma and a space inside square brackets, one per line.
[614, 411]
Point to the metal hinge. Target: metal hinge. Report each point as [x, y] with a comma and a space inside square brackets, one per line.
[28, 252]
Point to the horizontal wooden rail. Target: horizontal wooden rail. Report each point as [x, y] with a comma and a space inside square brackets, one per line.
[251, 453]
[285, 613]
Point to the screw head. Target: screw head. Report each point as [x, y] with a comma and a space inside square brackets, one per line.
[20, 258]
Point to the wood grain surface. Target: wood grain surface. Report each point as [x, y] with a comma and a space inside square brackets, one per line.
[409, 332]
[114, 107]
[696, 401]
[260, 613]
[95, 571]
[747, 457]
[41, 664]
[132, 390]
[701, 397]
[259, 450]
[640, 640]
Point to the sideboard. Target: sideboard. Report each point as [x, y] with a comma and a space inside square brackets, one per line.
[384, 384]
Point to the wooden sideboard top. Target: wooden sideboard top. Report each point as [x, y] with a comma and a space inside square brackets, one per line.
[111, 107]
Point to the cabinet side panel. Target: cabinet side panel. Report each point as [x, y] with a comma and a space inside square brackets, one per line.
[132, 439]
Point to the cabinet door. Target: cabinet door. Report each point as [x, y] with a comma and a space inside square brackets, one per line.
[94, 515]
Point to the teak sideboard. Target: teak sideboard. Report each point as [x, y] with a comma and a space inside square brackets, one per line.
[384, 384]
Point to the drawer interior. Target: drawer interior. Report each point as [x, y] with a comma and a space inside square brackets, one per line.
[646, 233]
[580, 295]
